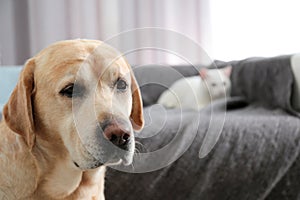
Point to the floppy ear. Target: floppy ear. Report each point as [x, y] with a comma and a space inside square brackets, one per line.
[17, 112]
[136, 116]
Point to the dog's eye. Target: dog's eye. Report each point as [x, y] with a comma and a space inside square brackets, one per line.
[70, 91]
[121, 85]
[67, 91]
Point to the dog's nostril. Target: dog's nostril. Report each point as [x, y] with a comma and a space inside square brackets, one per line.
[119, 139]
[113, 138]
[126, 137]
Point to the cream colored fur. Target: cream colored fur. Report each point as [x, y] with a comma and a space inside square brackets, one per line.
[38, 139]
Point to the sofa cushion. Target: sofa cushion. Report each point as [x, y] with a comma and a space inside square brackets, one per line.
[265, 81]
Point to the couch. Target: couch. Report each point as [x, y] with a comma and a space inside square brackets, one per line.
[243, 147]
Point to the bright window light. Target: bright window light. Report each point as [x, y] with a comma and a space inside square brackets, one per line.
[247, 28]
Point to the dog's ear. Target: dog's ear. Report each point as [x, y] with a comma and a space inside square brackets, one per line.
[136, 116]
[18, 113]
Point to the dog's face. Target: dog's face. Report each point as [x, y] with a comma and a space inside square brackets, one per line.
[81, 96]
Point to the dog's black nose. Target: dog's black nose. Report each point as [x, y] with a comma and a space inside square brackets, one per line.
[118, 134]
[119, 140]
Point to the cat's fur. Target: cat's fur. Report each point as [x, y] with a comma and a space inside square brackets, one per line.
[198, 91]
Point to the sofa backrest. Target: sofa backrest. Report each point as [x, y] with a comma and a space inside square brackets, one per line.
[155, 79]
[8, 79]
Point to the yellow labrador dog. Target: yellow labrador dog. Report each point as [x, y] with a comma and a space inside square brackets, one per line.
[72, 113]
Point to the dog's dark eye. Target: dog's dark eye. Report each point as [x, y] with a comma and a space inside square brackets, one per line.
[121, 85]
[71, 91]
[67, 91]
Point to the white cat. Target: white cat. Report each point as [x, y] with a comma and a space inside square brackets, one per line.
[198, 91]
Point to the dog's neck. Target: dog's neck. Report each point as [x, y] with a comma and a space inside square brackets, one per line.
[64, 180]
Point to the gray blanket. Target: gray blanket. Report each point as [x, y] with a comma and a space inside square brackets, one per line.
[256, 156]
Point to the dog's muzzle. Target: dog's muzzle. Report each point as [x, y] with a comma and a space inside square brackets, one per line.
[118, 144]
[112, 143]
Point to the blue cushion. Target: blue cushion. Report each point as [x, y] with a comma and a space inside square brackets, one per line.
[8, 79]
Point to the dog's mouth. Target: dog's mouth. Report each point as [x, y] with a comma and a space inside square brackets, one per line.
[117, 161]
[109, 158]
[124, 160]
[75, 163]
[91, 166]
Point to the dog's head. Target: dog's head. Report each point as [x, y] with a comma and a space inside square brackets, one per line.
[81, 98]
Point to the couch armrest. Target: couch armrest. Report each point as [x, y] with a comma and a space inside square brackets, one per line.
[8, 79]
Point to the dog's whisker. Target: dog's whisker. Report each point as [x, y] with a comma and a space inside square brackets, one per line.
[136, 151]
[138, 155]
[140, 148]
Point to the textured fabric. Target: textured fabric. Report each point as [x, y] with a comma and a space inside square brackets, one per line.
[29, 26]
[256, 157]
[264, 81]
